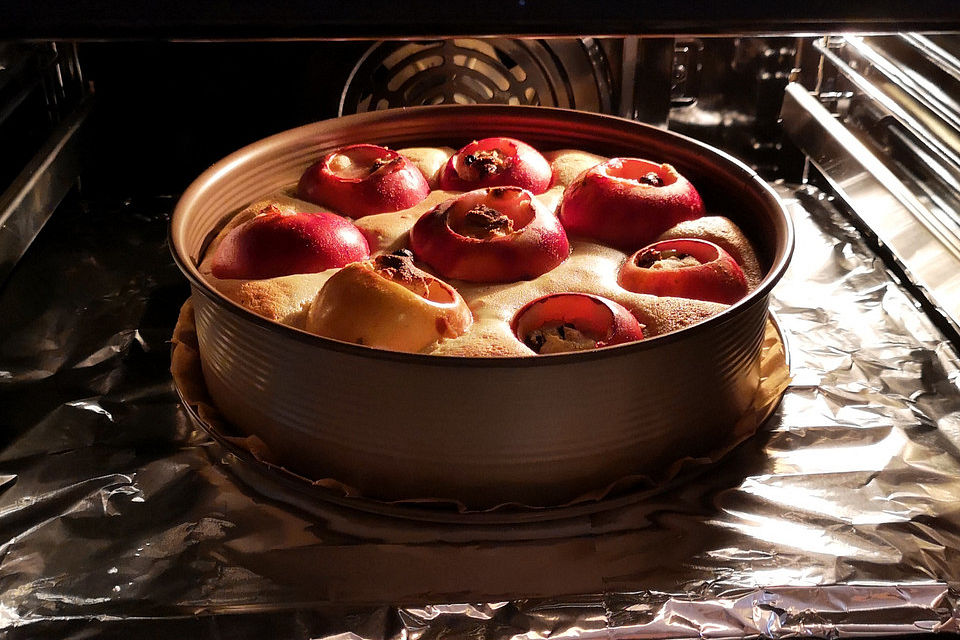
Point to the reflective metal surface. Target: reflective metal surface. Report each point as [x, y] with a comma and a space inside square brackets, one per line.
[42, 110]
[927, 245]
[881, 127]
[117, 520]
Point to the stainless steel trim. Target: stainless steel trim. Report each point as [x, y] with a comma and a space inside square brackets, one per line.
[888, 94]
[947, 62]
[914, 85]
[30, 200]
[874, 194]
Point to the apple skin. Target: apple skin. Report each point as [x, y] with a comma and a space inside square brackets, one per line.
[388, 303]
[275, 243]
[535, 244]
[604, 321]
[610, 203]
[520, 166]
[378, 180]
[718, 278]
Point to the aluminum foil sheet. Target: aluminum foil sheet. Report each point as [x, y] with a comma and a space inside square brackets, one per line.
[119, 519]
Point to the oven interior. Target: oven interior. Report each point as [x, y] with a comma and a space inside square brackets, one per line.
[880, 111]
[859, 133]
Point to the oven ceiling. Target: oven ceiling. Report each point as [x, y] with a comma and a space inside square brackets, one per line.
[251, 19]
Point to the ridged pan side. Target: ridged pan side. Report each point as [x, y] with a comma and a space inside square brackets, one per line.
[431, 428]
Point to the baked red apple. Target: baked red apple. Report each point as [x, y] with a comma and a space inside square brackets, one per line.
[628, 202]
[496, 162]
[388, 303]
[502, 234]
[275, 243]
[363, 179]
[564, 322]
[684, 268]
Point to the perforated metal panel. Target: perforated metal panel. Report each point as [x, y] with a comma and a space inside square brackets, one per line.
[570, 73]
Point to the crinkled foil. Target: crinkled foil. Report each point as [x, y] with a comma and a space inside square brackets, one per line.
[119, 519]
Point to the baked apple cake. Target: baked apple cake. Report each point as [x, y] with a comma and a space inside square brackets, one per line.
[495, 249]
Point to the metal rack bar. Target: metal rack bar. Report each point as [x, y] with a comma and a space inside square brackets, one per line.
[929, 254]
[30, 201]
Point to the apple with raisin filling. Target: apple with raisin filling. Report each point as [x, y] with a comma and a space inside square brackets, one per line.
[628, 202]
[496, 162]
[501, 234]
[564, 322]
[684, 268]
[388, 303]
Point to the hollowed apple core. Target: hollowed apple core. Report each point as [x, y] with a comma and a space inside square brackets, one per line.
[400, 270]
[676, 254]
[495, 213]
[358, 162]
[684, 268]
[564, 322]
[485, 158]
[641, 172]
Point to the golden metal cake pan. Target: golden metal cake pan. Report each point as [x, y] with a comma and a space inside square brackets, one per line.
[484, 431]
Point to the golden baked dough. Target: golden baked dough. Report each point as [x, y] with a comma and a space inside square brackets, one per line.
[429, 160]
[567, 164]
[285, 299]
